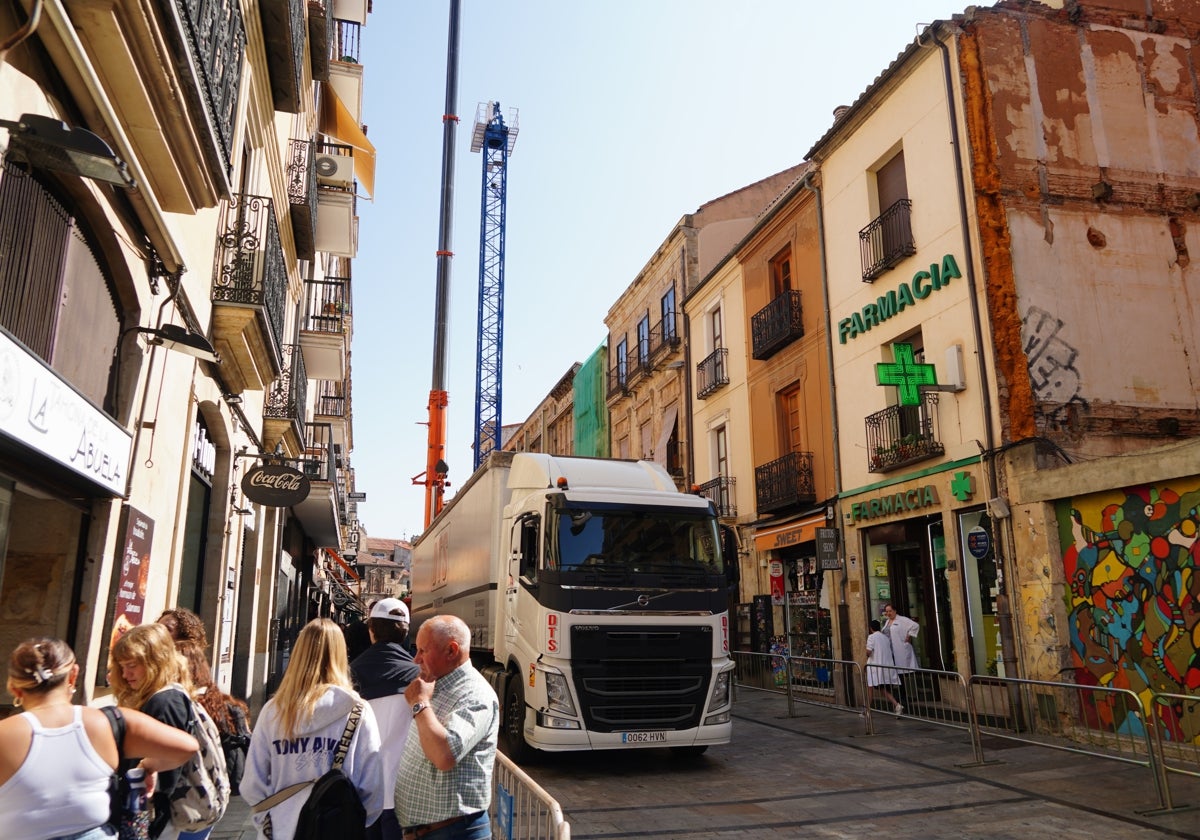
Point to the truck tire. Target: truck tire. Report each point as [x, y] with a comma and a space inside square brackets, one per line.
[512, 722]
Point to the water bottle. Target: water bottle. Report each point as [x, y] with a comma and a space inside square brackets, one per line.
[135, 821]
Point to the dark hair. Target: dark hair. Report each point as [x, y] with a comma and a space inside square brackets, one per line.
[388, 630]
[39, 664]
[875, 625]
[184, 625]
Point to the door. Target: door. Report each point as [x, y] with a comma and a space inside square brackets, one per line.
[919, 590]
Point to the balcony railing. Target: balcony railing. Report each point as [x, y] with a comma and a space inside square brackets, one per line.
[216, 37]
[712, 374]
[776, 325]
[618, 380]
[347, 42]
[887, 240]
[664, 337]
[302, 196]
[318, 462]
[785, 483]
[327, 305]
[250, 269]
[284, 28]
[288, 397]
[720, 491]
[903, 434]
[332, 398]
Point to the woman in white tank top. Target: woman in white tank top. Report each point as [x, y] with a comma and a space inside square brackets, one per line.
[56, 759]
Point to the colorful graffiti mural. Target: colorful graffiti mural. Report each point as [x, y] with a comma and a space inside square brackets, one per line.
[1133, 599]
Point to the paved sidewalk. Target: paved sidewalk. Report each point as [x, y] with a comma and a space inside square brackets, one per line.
[818, 775]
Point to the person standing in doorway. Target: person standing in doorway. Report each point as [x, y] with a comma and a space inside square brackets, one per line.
[444, 784]
[901, 630]
[381, 674]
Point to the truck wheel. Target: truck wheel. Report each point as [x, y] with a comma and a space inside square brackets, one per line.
[512, 729]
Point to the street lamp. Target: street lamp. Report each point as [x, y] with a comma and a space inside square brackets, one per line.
[46, 143]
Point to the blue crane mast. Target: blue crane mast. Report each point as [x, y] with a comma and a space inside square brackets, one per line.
[495, 139]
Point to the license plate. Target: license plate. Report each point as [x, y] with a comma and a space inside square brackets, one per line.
[643, 737]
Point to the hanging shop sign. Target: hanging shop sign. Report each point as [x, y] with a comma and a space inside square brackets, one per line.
[827, 549]
[894, 503]
[922, 285]
[275, 485]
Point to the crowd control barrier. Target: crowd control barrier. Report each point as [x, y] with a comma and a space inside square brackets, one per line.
[521, 809]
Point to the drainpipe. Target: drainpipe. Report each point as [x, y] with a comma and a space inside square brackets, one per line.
[1004, 617]
[808, 183]
[28, 28]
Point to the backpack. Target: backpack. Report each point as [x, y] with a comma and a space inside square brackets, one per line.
[333, 808]
[202, 792]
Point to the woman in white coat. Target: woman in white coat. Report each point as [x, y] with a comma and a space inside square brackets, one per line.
[902, 631]
[294, 733]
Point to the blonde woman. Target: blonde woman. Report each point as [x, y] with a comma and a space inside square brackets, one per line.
[148, 674]
[56, 758]
[297, 731]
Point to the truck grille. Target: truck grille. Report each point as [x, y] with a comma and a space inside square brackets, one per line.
[639, 678]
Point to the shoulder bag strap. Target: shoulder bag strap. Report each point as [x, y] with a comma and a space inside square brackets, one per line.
[279, 796]
[117, 721]
[343, 746]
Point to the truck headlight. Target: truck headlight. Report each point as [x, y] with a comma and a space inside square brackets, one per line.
[558, 694]
[552, 722]
[719, 698]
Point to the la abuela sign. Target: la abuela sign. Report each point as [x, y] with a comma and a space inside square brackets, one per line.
[275, 485]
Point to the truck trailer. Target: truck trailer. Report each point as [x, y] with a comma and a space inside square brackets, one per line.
[598, 600]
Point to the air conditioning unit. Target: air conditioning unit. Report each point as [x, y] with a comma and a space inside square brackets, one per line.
[335, 170]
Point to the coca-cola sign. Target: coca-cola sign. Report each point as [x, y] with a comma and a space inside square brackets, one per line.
[274, 485]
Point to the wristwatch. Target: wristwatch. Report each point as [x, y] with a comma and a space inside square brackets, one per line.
[418, 708]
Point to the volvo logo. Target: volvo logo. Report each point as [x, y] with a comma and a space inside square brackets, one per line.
[643, 600]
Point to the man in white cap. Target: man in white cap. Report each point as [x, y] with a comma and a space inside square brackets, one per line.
[381, 674]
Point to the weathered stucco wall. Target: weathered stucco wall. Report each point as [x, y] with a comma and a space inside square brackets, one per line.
[1086, 144]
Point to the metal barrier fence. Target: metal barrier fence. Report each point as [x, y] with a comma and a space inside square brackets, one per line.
[521, 808]
[1175, 721]
[1162, 736]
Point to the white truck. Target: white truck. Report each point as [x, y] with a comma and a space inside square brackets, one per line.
[598, 600]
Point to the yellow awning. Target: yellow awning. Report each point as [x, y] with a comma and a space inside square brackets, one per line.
[337, 122]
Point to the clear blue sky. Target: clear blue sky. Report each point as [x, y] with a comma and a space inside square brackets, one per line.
[631, 114]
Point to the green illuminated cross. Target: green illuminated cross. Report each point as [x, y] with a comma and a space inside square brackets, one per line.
[906, 374]
[962, 486]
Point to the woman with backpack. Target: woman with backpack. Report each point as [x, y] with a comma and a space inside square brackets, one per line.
[57, 759]
[299, 732]
[231, 715]
[148, 673]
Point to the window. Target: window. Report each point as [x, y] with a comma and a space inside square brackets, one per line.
[721, 451]
[622, 362]
[667, 304]
[781, 273]
[714, 320]
[647, 440]
[791, 414]
[643, 340]
[891, 182]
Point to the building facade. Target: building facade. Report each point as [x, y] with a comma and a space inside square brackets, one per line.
[176, 316]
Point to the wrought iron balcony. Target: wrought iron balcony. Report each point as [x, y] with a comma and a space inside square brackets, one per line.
[712, 374]
[320, 38]
[618, 380]
[332, 399]
[318, 461]
[249, 292]
[319, 514]
[887, 240]
[347, 45]
[784, 483]
[776, 325]
[287, 402]
[216, 37]
[664, 337]
[720, 491]
[903, 434]
[302, 196]
[285, 25]
[327, 305]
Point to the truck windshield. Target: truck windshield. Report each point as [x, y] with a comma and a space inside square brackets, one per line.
[658, 541]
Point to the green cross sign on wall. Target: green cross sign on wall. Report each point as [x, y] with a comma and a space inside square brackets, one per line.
[906, 374]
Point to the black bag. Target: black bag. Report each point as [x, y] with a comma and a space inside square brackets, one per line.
[129, 825]
[333, 809]
[235, 744]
